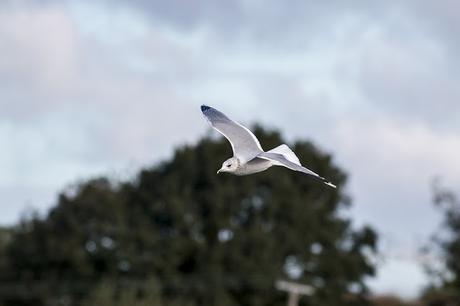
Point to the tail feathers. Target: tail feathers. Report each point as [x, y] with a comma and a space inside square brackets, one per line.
[286, 152]
[290, 156]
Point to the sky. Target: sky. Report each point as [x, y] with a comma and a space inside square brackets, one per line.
[91, 88]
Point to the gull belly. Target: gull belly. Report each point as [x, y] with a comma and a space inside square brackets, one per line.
[253, 166]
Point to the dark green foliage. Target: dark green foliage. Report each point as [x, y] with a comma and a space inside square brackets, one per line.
[5, 236]
[445, 274]
[181, 235]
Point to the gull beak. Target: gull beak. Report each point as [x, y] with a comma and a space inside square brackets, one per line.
[218, 171]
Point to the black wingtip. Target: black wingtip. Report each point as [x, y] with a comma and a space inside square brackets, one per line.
[327, 182]
[204, 108]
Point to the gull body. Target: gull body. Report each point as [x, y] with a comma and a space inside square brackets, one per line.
[253, 166]
[248, 155]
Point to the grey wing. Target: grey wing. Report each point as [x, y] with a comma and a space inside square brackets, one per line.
[244, 143]
[280, 160]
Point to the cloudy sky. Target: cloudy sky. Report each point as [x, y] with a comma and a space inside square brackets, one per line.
[105, 87]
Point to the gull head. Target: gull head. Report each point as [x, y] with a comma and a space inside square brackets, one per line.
[230, 165]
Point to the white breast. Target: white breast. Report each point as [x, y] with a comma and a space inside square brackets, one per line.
[253, 166]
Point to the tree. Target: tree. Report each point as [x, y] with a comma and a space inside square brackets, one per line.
[445, 246]
[5, 236]
[204, 239]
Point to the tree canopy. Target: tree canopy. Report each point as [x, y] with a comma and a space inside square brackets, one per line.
[444, 272]
[178, 234]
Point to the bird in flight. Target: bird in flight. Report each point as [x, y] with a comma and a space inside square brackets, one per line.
[248, 155]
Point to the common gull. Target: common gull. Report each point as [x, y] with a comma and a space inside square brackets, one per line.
[248, 155]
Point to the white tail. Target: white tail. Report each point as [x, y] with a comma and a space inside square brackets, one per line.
[286, 152]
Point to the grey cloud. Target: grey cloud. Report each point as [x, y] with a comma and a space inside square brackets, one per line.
[410, 78]
[268, 24]
[440, 20]
[396, 71]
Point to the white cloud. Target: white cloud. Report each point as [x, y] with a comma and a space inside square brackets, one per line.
[73, 107]
[39, 54]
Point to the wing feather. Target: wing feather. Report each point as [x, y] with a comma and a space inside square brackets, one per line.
[279, 159]
[244, 143]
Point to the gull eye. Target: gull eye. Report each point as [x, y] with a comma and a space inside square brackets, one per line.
[229, 165]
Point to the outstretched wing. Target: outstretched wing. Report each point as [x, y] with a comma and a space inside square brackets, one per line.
[244, 143]
[280, 160]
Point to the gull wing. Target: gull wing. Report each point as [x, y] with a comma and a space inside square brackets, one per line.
[244, 143]
[280, 160]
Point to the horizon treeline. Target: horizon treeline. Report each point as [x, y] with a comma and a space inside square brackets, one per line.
[178, 234]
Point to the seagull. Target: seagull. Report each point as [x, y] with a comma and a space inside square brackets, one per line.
[248, 155]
